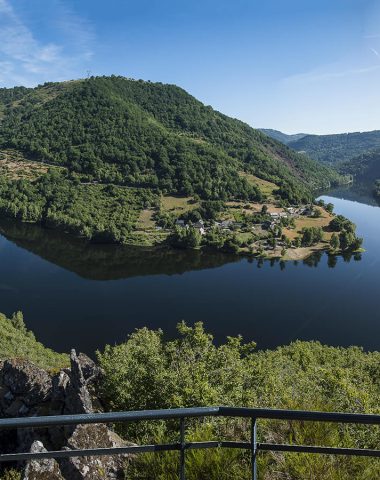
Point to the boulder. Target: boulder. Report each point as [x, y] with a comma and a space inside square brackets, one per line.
[23, 378]
[45, 469]
[94, 468]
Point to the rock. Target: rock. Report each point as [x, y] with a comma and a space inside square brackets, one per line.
[91, 372]
[45, 469]
[14, 408]
[78, 398]
[24, 378]
[94, 468]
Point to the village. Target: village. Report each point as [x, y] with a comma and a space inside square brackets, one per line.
[266, 230]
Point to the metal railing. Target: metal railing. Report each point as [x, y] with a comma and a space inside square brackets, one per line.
[254, 414]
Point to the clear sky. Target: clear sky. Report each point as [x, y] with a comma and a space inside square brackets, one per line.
[294, 65]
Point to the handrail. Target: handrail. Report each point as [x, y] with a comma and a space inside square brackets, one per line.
[183, 413]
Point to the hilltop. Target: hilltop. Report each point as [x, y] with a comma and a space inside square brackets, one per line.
[140, 133]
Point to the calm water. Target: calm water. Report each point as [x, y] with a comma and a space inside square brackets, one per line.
[75, 295]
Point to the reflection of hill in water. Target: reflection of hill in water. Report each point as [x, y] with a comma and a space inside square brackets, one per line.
[358, 192]
[107, 262]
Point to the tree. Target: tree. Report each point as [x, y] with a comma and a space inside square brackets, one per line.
[346, 239]
[334, 242]
[311, 236]
[188, 237]
[17, 321]
[340, 223]
[330, 208]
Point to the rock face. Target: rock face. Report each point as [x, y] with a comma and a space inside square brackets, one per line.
[26, 390]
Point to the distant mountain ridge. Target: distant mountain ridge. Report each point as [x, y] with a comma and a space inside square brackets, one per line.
[357, 154]
[137, 133]
[282, 137]
[337, 148]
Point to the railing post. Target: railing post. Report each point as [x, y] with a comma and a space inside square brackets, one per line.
[254, 448]
[182, 451]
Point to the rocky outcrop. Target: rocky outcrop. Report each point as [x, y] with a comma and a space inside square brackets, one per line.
[26, 390]
[47, 469]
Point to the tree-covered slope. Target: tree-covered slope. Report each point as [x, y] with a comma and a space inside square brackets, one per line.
[138, 133]
[18, 342]
[365, 166]
[366, 170]
[282, 137]
[333, 149]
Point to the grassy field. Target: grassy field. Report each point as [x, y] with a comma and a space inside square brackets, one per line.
[266, 188]
[14, 165]
[145, 220]
[178, 205]
[306, 222]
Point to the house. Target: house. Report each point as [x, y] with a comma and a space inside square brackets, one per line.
[199, 224]
[274, 215]
[226, 224]
[308, 211]
[180, 223]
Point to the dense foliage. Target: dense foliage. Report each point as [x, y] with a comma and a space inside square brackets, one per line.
[102, 213]
[18, 342]
[311, 236]
[147, 372]
[347, 239]
[148, 134]
[340, 222]
[334, 149]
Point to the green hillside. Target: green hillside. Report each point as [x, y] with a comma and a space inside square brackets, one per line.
[333, 149]
[139, 133]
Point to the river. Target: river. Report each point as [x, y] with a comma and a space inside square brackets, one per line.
[75, 295]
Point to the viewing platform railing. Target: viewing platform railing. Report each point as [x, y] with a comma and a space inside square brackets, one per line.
[252, 414]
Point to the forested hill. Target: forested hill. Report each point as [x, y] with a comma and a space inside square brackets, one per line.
[334, 149]
[137, 133]
[366, 170]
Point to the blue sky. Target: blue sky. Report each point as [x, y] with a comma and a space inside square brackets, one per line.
[294, 65]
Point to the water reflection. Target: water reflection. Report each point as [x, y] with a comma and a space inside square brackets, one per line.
[110, 262]
[107, 262]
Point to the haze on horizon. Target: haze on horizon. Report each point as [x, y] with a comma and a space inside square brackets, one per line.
[293, 66]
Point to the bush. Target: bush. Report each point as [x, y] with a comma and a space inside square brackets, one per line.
[148, 372]
[17, 342]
